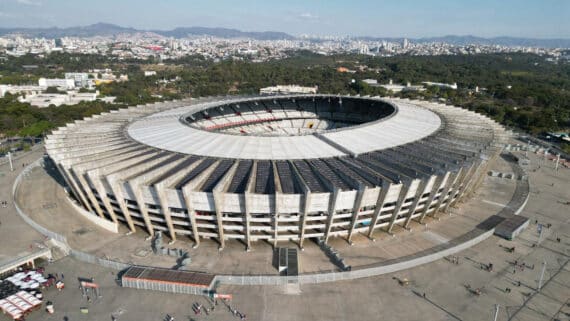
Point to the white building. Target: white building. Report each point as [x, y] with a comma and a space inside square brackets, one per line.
[440, 85]
[14, 90]
[396, 88]
[71, 98]
[57, 82]
[81, 79]
[288, 89]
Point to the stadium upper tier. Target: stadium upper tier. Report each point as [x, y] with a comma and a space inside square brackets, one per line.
[260, 133]
[274, 168]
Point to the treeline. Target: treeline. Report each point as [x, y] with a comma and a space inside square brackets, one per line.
[21, 119]
[522, 90]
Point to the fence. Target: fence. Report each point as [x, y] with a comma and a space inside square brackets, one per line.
[163, 286]
[59, 240]
[332, 276]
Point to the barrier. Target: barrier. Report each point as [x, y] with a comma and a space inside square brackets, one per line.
[59, 240]
[101, 222]
[332, 276]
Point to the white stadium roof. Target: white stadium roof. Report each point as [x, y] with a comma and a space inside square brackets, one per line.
[165, 131]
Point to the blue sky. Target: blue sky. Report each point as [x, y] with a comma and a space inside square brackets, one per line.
[396, 18]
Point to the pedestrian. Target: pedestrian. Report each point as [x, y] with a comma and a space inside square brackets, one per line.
[62, 276]
[424, 295]
[519, 283]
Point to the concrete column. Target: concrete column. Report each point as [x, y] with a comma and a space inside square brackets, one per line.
[218, 201]
[96, 180]
[356, 211]
[116, 186]
[379, 204]
[277, 203]
[448, 185]
[90, 194]
[306, 202]
[69, 183]
[422, 189]
[468, 181]
[163, 199]
[78, 189]
[331, 211]
[401, 199]
[432, 195]
[137, 190]
[191, 214]
[250, 188]
[460, 181]
[247, 220]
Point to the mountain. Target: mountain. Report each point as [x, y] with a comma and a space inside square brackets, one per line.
[474, 40]
[106, 29]
[503, 41]
[98, 29]
[224, 33]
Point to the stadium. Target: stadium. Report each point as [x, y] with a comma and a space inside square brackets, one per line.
[274, 168]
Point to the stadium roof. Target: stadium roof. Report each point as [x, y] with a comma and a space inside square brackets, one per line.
[165, 131]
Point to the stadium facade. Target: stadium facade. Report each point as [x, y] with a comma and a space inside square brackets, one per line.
[274, 168]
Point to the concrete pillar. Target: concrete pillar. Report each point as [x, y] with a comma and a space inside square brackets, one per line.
[70, 184]
[331, 213]
[90, 194]
[460, 181]
[379, 204]
[468, 181]
[448, 185]
[401, 199]
[422, 189]
[117, 187]
[191, 214]
[96, 180]
[218, 201]
[304, 214]
[137, 190]
[77, 187]
[163, 199]
[247, 220]
[356, 211]
[432, 195]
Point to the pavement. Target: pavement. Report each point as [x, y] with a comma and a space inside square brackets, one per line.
[17, 238]
[46, 202]
[449, 288]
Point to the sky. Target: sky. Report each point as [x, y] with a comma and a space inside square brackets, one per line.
[396, 18]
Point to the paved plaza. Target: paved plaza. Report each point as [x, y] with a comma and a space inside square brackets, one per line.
[450, 289]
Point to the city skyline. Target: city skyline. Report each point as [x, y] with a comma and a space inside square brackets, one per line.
[361, 18]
